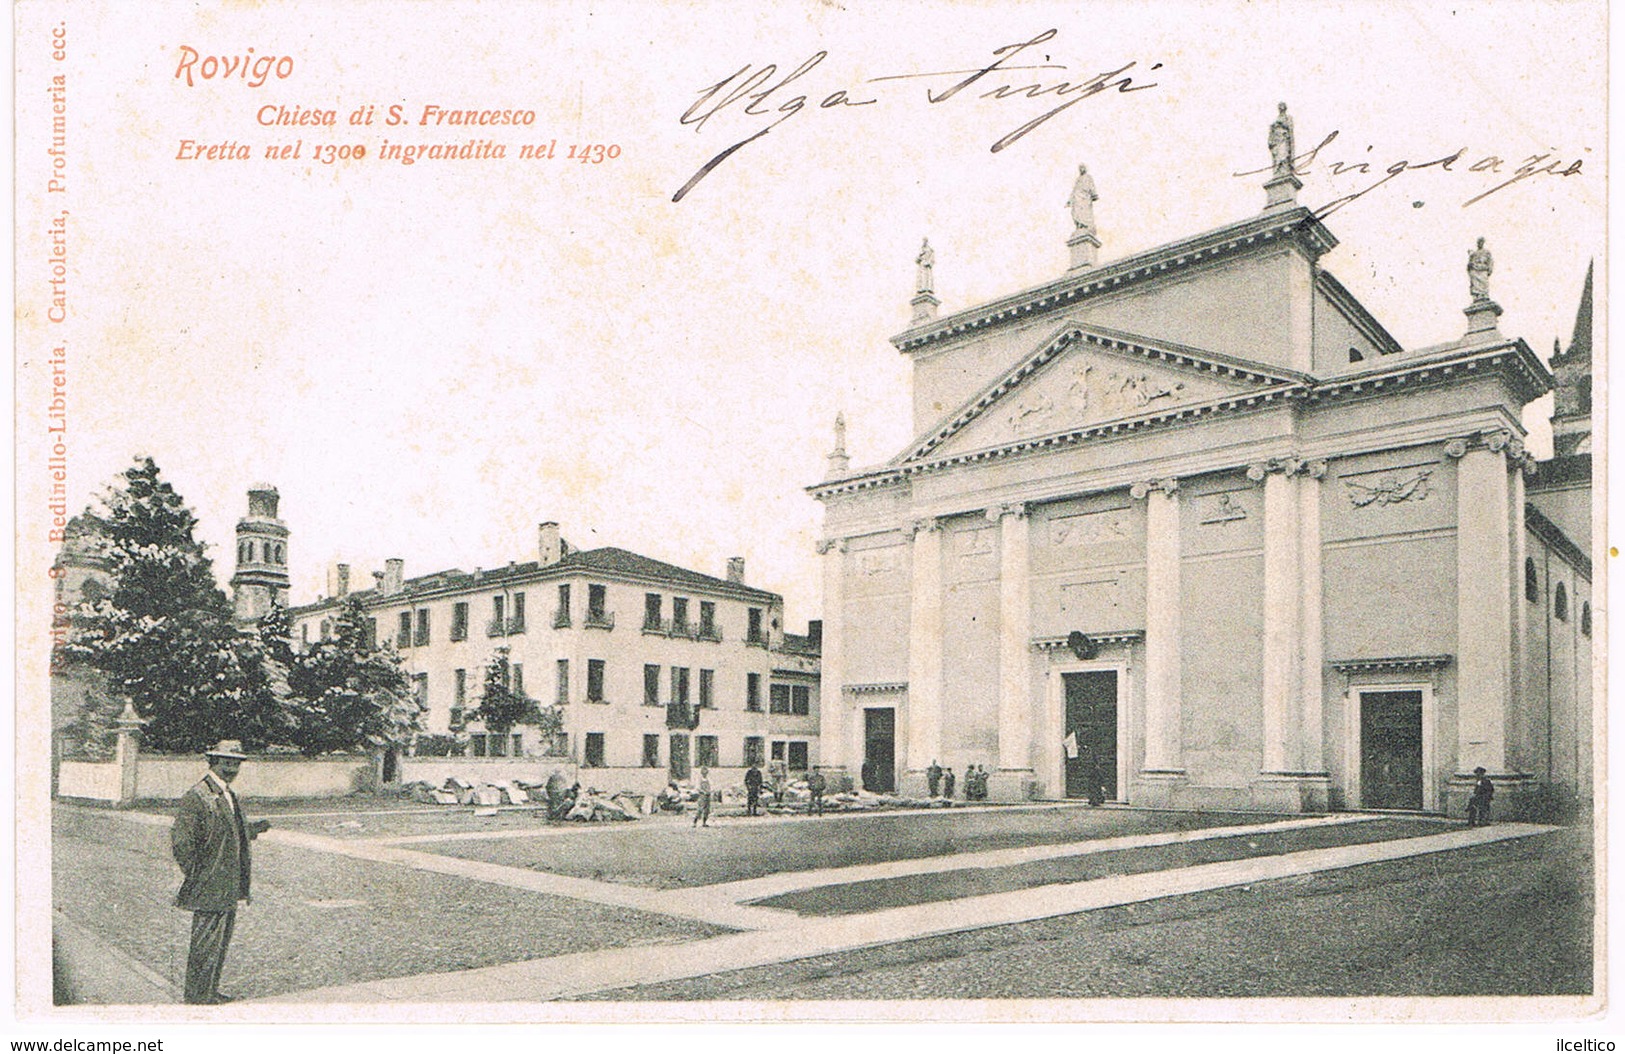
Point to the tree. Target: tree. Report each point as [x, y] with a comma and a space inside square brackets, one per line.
[164, 637]
[501, 707]
[346, 692]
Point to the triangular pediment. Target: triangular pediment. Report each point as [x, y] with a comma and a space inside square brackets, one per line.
[1082, 377]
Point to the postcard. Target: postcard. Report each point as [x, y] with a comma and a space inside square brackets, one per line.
[565, 512]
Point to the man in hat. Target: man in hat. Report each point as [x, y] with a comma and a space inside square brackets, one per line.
[1478, 806]
[210, 842]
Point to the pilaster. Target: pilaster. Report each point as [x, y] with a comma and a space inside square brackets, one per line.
[1486, 590]
[834, 716]
[1013, 781]
[1164, 744]
[925, 650]
[1293, 772]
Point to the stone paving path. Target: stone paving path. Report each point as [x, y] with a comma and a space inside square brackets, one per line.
[766, 936]
[789, 937]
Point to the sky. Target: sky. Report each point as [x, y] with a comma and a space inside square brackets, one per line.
[429, 359]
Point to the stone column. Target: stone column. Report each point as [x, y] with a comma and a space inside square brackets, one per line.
[1486, 591]
[1312, 635]
[925, 654]
[833, 713]
[1164, 764]
[1013, 781]
[1292, 773]
[1282, 620]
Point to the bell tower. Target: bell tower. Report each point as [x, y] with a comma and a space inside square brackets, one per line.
[262, 557]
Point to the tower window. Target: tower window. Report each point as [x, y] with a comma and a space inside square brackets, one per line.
[1531, 581]
[1355, 356]
[1585, 618]
[1560, 603]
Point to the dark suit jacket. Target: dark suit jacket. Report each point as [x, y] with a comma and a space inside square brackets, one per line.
[210, 842]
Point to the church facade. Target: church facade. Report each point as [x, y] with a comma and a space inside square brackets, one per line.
[1191, 529]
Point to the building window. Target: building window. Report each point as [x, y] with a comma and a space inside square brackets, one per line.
[800, 700]
[459, 620]
[778, 699]
[708, 621]
[753, 626]
[705, 751]
[403, 635]
[798, 756]
[564, 681]
[679, 614]
[561, 616]
[597, 600]
[753, 750]
[327, 628]
[369, 634]
[518, 680]
[592, 755]
[459, 697]
[595, 680]
[679, 685]
[476, 744]
[651, 751]
[1531, 581]
[516, 620]
[304, 631]
[422, 637]
[753, 692]
[778, 750]
[1585, 618]
[420, 690]
[651, 685]
[651, 611]
[497, 626]
[708, 688]
[1560, 603]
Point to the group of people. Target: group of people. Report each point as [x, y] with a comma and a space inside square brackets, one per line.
[940, 782]
[817, 784]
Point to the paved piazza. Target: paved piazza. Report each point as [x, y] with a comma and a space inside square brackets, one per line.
[391, 905]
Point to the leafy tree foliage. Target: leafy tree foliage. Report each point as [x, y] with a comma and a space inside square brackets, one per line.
[164, 637]
[501, 707]
[346, 692]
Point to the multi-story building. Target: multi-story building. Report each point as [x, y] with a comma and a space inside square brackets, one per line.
[1194, 523]
[656, 669]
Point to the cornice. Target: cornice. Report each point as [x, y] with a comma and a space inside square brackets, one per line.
[1295, 226]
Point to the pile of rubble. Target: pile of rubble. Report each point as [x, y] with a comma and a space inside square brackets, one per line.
[582, 805]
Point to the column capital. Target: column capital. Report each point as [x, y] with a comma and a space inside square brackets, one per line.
[996, 513]
[825, 545]
[924, 525]
[1168, 485]
[1495, 440]
[1292, 465]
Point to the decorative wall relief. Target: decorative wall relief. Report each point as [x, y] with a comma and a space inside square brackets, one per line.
[971, 544]
[1090, 528]
[1390, 488]
[1222, 508]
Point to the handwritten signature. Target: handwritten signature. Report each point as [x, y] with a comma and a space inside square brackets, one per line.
[1547, 164]
[754, 92]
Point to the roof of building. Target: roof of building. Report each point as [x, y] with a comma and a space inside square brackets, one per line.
[1567, 470]
[609, 561]
[802, 644]
[1561, 544]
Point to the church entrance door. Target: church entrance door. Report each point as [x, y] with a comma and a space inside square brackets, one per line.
[879, 749]
[1091, 719]
[1391, 749]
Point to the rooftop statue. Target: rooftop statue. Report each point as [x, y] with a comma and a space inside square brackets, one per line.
[1282, 144]
[1082, 202]
[1480, 264]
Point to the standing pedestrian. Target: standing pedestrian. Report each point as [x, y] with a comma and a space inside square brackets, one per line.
[1478, 806]
[209, 840]
[753, 789]
[816, 785]
[933, 778]
[702, 804]
[948, 783]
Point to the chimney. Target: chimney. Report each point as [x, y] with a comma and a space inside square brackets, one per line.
[343, 580]
[549, 550]
[394, 576]
[333, 580]
[815, 632]
[736, 569]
